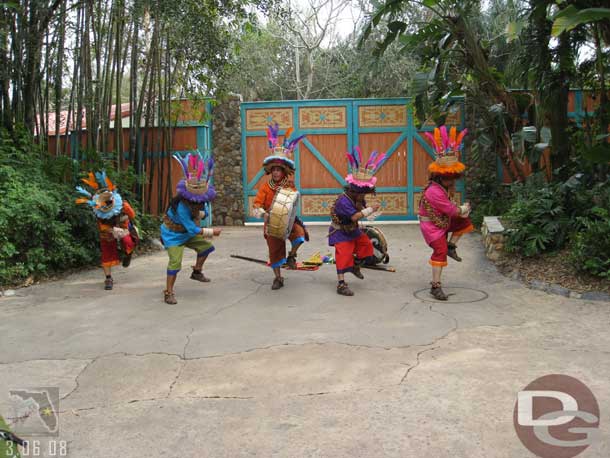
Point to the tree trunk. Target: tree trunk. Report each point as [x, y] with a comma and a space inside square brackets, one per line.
[58, 78]
[558, 104]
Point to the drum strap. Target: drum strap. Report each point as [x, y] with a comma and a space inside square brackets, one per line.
[336, 223]
[277, 186]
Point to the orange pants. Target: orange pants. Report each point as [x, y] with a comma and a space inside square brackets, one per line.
[277, 247]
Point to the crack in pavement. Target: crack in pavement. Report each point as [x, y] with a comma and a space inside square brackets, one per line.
[188, 342]
[195, 358]
[77, 377]
[233, 304]
[182, 365]
[418, 361]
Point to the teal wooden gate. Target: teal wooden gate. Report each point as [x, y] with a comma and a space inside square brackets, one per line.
[332, 128]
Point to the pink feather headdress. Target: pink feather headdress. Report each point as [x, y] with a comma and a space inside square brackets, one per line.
[363, 175]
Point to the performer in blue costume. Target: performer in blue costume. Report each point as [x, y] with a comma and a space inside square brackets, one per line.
[181, 223]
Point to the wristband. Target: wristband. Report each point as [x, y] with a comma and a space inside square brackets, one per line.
[367, 211]
[207, 232]
[258, 212]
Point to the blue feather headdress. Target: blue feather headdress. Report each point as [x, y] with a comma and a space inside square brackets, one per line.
[198, 170]
[281, 153]
[105, 200]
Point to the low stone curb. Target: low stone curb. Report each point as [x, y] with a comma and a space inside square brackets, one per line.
[493, 239]
[553, 288]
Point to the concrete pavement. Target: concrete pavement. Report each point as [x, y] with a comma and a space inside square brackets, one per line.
[238, 370]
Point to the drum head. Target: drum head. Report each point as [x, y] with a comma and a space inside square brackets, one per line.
[380, 246]
[282, 214]
[292, 215]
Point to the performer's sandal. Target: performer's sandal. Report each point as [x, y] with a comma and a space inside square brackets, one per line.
[452, 251]
[291, 262]
[198, 275]
[357, 272]
[169, 297]
[344, 290]
[437, 292]
[127, 260]
[278, 282]
[108, 283]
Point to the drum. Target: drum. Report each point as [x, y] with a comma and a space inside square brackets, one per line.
[283, 213]
[380, 245]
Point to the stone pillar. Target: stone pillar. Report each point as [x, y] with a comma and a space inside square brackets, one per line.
[493, 233]
[228, 207]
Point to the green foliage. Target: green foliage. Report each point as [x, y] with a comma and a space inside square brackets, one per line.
[149, 227]
[42, 230]
[548, 216]
[7, 449]
[590, 250]
[538, 222]
[571, 17]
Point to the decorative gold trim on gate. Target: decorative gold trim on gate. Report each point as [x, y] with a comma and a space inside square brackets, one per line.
[382, 116]
[416, 200]
[454, 118]
[322, 117]
[317, 205]
[392, 203]
[260, 118]
[456, 199]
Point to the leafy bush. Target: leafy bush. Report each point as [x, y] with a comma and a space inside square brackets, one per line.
[149, 227]
[538, 220]
[42, 230]
[590, 249]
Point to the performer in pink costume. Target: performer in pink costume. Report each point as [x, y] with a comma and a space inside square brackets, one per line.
[438, 215]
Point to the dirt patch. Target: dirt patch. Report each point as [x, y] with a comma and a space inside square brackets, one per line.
[553, 268]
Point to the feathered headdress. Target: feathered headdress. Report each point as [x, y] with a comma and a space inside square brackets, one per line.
[281, 153]
[198, 170]
[105, 199]
[447, 147]
[362, 175]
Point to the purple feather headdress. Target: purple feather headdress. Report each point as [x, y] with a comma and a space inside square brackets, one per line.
[198, 170]
[281, 153]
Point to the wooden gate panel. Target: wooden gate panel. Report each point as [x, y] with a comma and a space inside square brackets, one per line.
[257, 151]
[322, 161]
[421, 160]
[394, 172]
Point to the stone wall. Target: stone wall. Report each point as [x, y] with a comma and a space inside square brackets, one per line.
[493, 237]
[228, 207]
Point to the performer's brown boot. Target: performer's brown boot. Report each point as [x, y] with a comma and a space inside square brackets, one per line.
[108, 283]
[437, 292]
[452, 251]
[344, 290]
[169, 297]
[198, 275]
[278, 282]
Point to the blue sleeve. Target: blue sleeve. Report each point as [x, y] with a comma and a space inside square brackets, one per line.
[184, 214]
